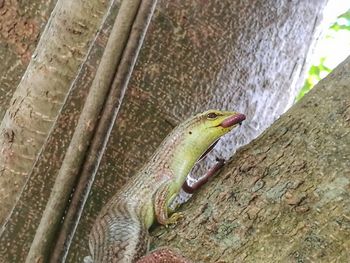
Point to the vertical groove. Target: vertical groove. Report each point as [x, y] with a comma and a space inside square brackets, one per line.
[103, 130]
[83, 133]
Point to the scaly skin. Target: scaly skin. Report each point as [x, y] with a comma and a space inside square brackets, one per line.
[120, 233]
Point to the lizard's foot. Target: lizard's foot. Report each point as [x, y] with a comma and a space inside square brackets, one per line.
[174, 218]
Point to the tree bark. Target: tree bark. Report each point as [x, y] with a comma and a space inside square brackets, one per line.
[247, 56]
[21, 23]
[108, 87]
[284, 197]
[242, 55]
[41, 93]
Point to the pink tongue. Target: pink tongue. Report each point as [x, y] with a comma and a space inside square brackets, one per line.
[235, 119]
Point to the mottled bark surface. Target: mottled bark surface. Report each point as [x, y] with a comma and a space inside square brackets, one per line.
[17, 235]
[198, 55]
[97, 118]
[283, 198]
[41, 93]
[21, 23]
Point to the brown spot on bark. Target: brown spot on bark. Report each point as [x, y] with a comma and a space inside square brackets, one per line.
[9, 135]
[16, 30]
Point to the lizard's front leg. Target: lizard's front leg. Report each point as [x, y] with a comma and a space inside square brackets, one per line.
[163, 197]
[161, 202]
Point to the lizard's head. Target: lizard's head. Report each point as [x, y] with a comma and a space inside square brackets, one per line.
[206, 128]
[215, 123]
[222, 121]
[197, 136]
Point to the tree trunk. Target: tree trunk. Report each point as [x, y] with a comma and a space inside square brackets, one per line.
[284, 197]
[240, 55]
[21, 23]
[247, 56]
[41, 93]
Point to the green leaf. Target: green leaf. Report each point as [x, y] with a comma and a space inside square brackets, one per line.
[316, 71]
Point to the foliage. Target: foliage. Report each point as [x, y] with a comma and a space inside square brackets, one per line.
[316, 73]
[342, 23]
[320, 69]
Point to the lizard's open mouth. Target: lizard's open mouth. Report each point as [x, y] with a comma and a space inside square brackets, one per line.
[208, 150]
[226, 123]
[233, 120]
[229, 122]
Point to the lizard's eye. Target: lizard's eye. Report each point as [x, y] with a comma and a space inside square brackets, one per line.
[212, 115]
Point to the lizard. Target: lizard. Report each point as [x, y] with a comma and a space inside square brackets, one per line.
[120, 232]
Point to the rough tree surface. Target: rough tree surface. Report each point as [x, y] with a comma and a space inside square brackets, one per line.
[38, 99]
[283, 198]
[247, 56]
[242, 55]
[37, 189]
[21, 23]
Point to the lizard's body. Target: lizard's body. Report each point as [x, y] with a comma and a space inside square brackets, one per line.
[120, 233]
